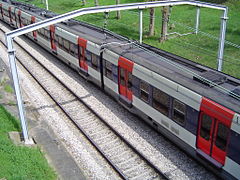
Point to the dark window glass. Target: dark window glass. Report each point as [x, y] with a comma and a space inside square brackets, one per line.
[144, 91]
[60, 42]
[129, 80]
[222, 135]
[66, 45]
[179, 110]
[122, 77]
[55, 39]
[108, 71]
[42, 32]
[39, 31]
[206, 125]
[72, 49]
[161, 101]
[47, 34]
[94, 61]
[76, 50]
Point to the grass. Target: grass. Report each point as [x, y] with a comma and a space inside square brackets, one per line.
[11, 103]
[19, 162]
[8, 88]
[3, 82]
[199, 48]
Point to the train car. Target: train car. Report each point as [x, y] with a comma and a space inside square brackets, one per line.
[194, 106]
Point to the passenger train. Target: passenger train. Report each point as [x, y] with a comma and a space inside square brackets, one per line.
[194, 106]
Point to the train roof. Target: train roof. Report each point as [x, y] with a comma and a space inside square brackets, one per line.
[219, 87]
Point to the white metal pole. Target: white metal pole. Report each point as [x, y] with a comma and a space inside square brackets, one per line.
[140, 25]
[11, 56]
[197, 20]
[222, 39]
[47, 4]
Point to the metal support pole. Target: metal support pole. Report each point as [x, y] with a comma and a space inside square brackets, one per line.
[222, 39]
[46, 4]
[197, 20]
[140, 25]
[11, 56]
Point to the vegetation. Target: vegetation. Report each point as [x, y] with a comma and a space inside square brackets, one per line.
[202, 48]
[8, 88]
[18, 162]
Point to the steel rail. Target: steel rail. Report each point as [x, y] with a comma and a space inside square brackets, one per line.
[121, 174]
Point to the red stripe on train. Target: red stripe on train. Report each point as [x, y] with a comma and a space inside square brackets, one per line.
[82, 45]
[125, 63]
[33, 20]
[82, 42]
[217, 111]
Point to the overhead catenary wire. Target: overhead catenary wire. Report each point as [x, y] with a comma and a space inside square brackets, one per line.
[186, 70]
[209, 52]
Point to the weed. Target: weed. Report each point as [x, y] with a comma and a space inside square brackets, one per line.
[11, 103]
[3, 81]
[8, 88]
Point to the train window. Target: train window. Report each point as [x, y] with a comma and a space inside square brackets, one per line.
[108, 71]
[6, 13]
[41, 32]
[94, 61]
[122, 77]
[46, 34]
[222, 135]
[55, 39]
[66, 45]
[144, 91]
[76, 50]
[179, 110]
[60, 41]
[161, 101]
[129, 80]
[206, 125]
[72, 49]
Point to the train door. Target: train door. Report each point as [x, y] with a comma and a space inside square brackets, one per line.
[52, 39]
[213, 130]
[10, 14]
[82, 45]
[1, 9]
[19, 19]
[125, 68]
[34, 33]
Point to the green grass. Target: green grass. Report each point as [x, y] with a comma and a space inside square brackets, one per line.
[11, 103]
[19, 162]
[198, 48]
[8, 88]
[3, 82]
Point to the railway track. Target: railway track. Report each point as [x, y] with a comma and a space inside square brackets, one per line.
[126, 160]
